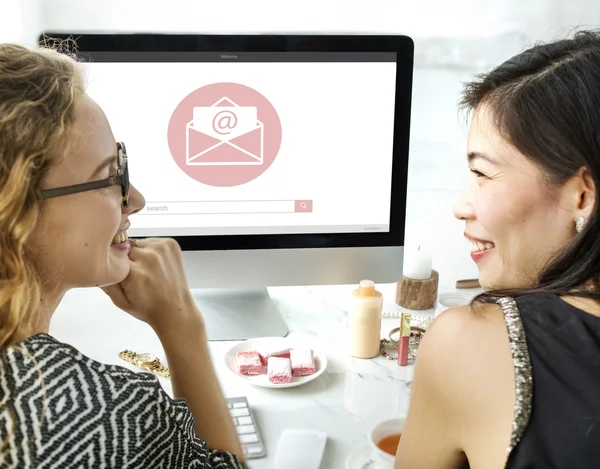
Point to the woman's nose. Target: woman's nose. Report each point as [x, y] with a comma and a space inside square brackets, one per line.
[136, 201]
[463, 208]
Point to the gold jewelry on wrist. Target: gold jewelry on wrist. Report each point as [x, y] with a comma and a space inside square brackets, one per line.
[147, 361]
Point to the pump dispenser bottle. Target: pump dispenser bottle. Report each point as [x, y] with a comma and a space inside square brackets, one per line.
[364, 321]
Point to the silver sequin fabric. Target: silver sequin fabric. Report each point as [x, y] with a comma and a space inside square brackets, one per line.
[522, 365]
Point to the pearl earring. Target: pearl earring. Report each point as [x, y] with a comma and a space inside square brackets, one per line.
[580, 224]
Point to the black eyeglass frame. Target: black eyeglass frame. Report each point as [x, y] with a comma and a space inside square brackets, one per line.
[122, 179]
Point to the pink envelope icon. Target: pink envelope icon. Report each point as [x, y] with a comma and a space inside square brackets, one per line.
[205, 147]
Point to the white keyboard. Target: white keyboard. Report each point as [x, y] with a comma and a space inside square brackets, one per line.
[247, 428]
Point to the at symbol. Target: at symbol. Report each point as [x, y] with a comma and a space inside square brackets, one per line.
[224, 122]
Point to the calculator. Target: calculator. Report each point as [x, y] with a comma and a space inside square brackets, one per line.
[246, 427]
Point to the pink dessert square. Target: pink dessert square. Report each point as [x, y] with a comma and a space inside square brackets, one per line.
[279, 370]
[303, 362]
[248, 363]
[279, 352]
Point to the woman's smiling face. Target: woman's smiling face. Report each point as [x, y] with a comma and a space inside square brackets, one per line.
[515, 219]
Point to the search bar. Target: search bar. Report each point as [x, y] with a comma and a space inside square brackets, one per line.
[215, 207]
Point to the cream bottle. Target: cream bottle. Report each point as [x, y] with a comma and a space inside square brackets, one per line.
[364, 321]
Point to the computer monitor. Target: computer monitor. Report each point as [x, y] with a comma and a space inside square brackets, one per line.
[272, 159]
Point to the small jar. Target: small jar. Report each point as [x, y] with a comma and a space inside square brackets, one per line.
[364, 321]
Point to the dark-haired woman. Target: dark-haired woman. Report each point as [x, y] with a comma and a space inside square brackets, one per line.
[513, 381]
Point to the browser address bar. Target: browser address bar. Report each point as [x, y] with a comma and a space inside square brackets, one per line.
[212, 207]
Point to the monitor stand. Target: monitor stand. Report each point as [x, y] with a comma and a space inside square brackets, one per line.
[238, 314]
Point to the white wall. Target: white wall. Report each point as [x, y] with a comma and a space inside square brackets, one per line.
[20, 21]
[439, 18]
[454, 39]
[471, 32]
[496, 27]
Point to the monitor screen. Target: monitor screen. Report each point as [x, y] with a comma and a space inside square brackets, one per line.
[253, 143]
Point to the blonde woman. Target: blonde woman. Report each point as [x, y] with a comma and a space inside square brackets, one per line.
[65, 204]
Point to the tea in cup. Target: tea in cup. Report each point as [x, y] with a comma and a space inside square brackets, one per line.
[384, 439]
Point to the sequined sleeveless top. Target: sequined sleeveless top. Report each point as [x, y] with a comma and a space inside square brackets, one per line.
[556, 355]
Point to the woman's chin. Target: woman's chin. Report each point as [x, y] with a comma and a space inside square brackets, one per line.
[486, 281]
[490, 284]
[117, 272]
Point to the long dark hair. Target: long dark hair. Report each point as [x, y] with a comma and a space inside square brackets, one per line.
[546, 103]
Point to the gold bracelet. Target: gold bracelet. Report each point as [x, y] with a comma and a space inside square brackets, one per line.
[416, 334]
[147, 361]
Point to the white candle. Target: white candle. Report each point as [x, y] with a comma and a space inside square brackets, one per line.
[417, 264]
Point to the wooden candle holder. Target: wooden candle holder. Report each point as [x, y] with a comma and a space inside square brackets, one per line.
[417, 294]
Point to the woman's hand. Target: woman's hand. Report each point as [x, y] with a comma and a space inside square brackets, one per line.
[156, 290]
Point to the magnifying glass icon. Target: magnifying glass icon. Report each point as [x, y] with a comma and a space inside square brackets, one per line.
[303, 205]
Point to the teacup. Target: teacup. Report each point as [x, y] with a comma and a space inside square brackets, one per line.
[380, 431]
[450, 300]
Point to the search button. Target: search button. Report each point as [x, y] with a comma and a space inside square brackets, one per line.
[303, 206]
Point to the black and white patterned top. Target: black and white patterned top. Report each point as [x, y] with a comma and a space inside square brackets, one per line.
[60, 409]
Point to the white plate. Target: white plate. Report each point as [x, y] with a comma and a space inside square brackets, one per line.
[361, 458]
[267, 342]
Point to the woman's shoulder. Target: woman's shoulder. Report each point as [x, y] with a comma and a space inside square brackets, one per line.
[67, 374]
[479, 356]
[468, 353]
[42, 361]
[464, 328]
[464, 385]
[42, 353]
[78, 396]
[51, 359]
[475, 335]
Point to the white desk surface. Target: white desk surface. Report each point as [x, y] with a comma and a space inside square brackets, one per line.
[346, 401]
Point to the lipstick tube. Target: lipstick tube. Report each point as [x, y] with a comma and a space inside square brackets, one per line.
[404, 341]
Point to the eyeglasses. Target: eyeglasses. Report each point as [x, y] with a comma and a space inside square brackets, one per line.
[121, 179]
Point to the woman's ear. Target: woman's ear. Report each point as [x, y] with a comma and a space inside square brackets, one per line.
[581, 192]
[586, 187]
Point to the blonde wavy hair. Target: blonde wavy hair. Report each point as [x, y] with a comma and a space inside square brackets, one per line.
[39, 89]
